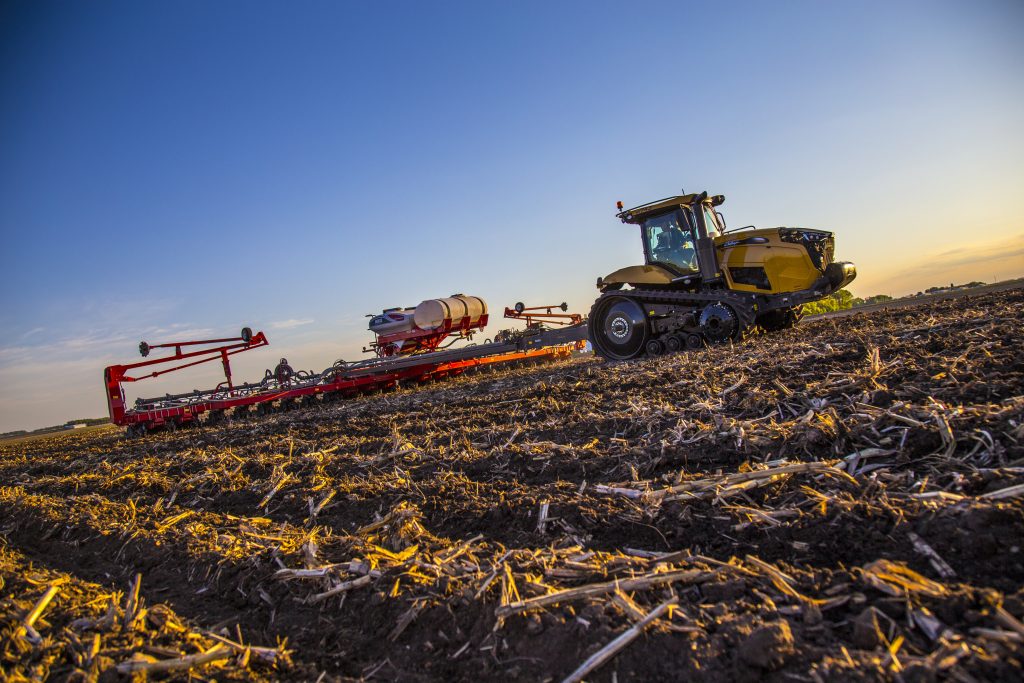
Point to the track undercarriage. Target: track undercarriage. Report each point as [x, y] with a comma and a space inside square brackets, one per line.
[629, 324]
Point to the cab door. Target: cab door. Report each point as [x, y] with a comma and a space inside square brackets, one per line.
[669, 242]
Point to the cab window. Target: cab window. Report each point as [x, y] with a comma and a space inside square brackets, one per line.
[711, 220]
[669, 241]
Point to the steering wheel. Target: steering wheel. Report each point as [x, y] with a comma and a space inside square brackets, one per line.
[683, 257]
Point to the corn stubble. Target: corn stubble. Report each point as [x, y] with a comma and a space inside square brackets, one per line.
[840, 501]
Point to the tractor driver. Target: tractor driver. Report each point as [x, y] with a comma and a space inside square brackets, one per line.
[674, 248]
[283, 372]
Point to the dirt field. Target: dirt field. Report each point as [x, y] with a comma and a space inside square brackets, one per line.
[843, 501]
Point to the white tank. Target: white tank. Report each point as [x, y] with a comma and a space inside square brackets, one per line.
[433, 313]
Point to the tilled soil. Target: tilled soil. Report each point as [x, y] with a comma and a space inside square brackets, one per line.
[844, 500]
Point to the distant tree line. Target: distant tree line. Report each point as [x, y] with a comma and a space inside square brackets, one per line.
[843, 299]
[935, 290]
[88, 421]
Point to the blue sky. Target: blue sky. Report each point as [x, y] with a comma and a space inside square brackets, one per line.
[175, 169]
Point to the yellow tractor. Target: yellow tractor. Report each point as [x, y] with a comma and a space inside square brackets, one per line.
[702, 284]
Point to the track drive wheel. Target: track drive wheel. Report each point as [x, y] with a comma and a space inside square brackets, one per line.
[719, 323]
[618, 328]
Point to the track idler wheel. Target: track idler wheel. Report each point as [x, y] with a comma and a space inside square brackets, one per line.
[675, 343]
[694, 341]
[719, 323]
[618, 328]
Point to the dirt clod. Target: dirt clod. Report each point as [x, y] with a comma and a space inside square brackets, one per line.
[768, 646]
[871, 629]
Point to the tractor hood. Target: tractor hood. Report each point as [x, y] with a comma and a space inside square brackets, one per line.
[649, 274]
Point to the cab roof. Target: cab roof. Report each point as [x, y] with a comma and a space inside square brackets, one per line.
[639, 213]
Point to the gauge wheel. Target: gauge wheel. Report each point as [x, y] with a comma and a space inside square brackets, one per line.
[619, 328]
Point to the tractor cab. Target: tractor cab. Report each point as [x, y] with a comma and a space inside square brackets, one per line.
[669, 241]
[678, 239]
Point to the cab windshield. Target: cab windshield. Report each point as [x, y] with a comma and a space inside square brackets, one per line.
[669, 240]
